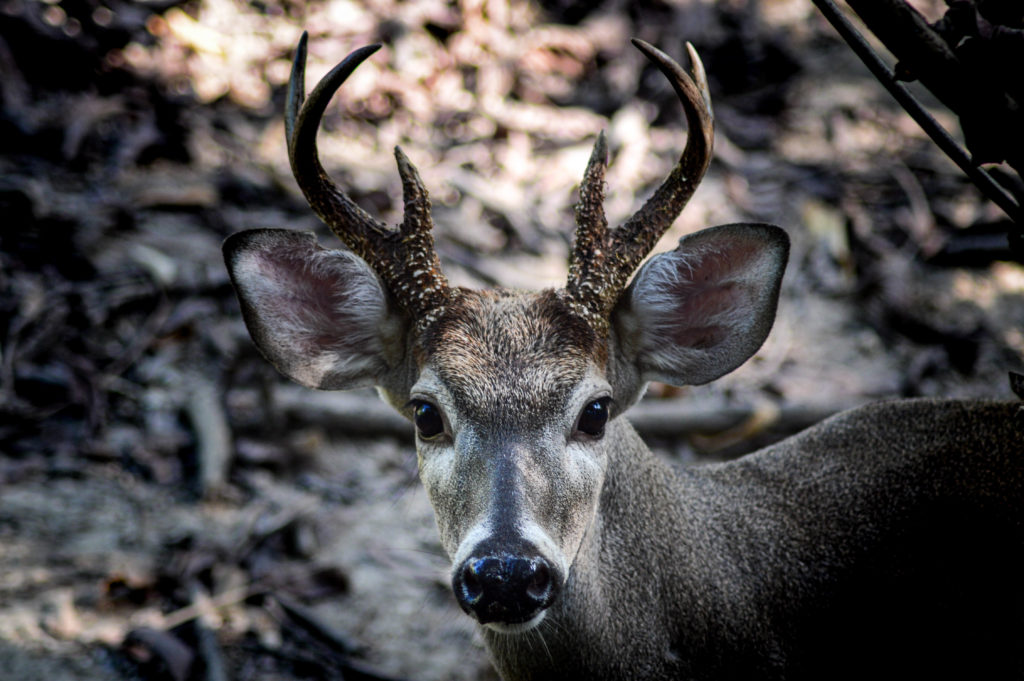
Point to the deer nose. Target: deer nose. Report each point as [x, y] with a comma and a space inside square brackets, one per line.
[507, 589]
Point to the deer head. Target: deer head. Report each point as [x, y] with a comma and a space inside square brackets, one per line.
[514, 395]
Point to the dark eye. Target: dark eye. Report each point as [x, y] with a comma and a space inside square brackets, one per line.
[427, 419]
[593, 417]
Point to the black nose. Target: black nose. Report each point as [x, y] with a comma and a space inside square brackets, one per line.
[506, 588]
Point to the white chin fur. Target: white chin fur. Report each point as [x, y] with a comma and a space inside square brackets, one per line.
[518, 628]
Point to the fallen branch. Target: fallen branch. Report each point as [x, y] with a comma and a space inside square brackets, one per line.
[363, 413]
[214, 446]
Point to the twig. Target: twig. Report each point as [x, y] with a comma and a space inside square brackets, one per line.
[221, 600]
[982, 179]
[209, 648]
[989, 117]
[311, 624]
[335, 642]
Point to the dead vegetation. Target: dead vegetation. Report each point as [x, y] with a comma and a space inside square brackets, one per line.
[171, 509]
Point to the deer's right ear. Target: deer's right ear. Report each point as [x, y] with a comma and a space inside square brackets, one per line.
[698, 312]
[320, 316]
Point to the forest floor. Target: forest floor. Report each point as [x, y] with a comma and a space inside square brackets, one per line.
[171, 508]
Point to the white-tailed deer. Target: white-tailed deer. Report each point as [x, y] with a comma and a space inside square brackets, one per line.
[883, 542]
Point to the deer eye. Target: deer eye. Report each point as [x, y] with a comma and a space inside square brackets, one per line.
[593, 417]
[427, 418]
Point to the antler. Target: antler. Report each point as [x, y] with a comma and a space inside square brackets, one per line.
[602, 260]
[404, 258]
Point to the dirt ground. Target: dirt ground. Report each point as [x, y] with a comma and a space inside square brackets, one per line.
[171, 508]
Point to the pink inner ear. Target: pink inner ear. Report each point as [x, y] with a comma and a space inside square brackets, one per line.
[699, 337]
[310, 294]
[702, 310]
[727, 263]
[702, 302]
[699, 311]
[709, 295]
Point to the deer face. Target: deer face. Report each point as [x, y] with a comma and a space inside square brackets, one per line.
[510, 393]
[510, 409]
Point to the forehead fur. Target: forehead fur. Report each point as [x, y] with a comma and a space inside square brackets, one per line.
[510, 355]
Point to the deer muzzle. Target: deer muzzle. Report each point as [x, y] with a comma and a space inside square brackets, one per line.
[500, 588]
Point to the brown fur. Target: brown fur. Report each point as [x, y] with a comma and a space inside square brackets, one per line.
[510, 352]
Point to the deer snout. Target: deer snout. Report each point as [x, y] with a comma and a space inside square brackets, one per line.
[504, 588]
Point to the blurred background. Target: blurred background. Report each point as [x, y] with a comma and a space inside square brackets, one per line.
[171, 508]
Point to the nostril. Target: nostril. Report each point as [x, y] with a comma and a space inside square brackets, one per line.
[472, 587]
[539, 585]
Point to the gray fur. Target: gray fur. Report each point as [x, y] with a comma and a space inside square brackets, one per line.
[883, 543]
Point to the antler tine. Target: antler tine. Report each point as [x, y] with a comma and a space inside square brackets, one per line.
[421, 278]
[587, 261]
[405, 259]
[642, 231]
[617, 253]
[352, 224]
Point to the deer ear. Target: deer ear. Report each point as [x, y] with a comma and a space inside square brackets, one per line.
[320, 316]
[698, 312]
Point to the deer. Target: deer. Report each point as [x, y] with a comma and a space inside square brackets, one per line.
[884, 541]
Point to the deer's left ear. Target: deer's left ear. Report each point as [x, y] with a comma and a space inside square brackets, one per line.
[698, 312]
